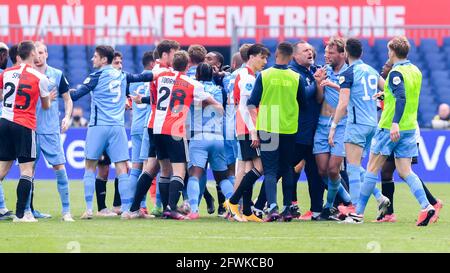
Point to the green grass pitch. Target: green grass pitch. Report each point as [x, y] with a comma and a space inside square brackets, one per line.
[212, 234]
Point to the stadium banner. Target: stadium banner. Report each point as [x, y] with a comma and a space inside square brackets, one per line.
[434, 157]
[201, 21]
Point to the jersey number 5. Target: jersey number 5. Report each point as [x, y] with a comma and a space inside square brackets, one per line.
[11, 89]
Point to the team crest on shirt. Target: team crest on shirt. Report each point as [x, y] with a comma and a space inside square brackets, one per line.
[341, 79]
[249, 86]
[396, 80]
[87, 80]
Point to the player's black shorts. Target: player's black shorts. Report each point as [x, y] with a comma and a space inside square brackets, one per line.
[247, 152]
[16, 142]
[414, 160]
[152, 148]
[172, 148]
[104, 160]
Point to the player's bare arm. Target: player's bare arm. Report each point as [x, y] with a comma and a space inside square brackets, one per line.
[344, 97]
[68, 107]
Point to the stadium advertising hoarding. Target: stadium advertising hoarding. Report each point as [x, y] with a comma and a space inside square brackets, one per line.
[133, 21]
[434, 157]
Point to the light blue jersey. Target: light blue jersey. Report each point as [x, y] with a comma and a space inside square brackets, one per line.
[48, 120]
[108, 92]
[331, 95]
[108, 96]
[230, 111]
[231, 145]
[140, 111]
[192, 71]
[207, 120]
[362, 80]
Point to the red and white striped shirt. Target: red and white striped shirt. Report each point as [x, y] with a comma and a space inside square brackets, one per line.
[176, 92]
[22, 86]
[158, 68]
[243, 86]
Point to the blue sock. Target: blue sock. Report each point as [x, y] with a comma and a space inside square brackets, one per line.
[232, 179]
[134, 176]
[227, 188]
[417, 189]
[343, 193]
[63, 189]
[354, 180]
[376, 192]
[370, 181]
[158, 194]
[333, 187]
[125, 192]
[89, 188]
[2, 197]
[193, 191]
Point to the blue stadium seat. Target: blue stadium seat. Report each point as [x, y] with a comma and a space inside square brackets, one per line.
[293, 40]
[436, 74]
[56, 63]
[76, 52]
[55, 52]
[428, 45]
[320, 60]
[413, 44]
[127, 52]
[90, 51]
[141, 49]
[77, 64]
[317, 43]
[270, 43]
[381, 43]
[270, 60]
[129, 67]
[247, 41]
[446, 42]
[365, 44]
[437, 65]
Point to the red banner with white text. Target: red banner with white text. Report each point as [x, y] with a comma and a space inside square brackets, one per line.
[211, 22]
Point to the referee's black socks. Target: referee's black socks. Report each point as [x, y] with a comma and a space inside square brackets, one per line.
[100, 192]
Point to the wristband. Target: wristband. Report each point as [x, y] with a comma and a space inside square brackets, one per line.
[333, 125]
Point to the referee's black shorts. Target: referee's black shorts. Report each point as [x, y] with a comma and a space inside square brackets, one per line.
[16, 142]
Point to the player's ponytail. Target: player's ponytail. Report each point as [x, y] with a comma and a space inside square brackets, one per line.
[204, 72]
